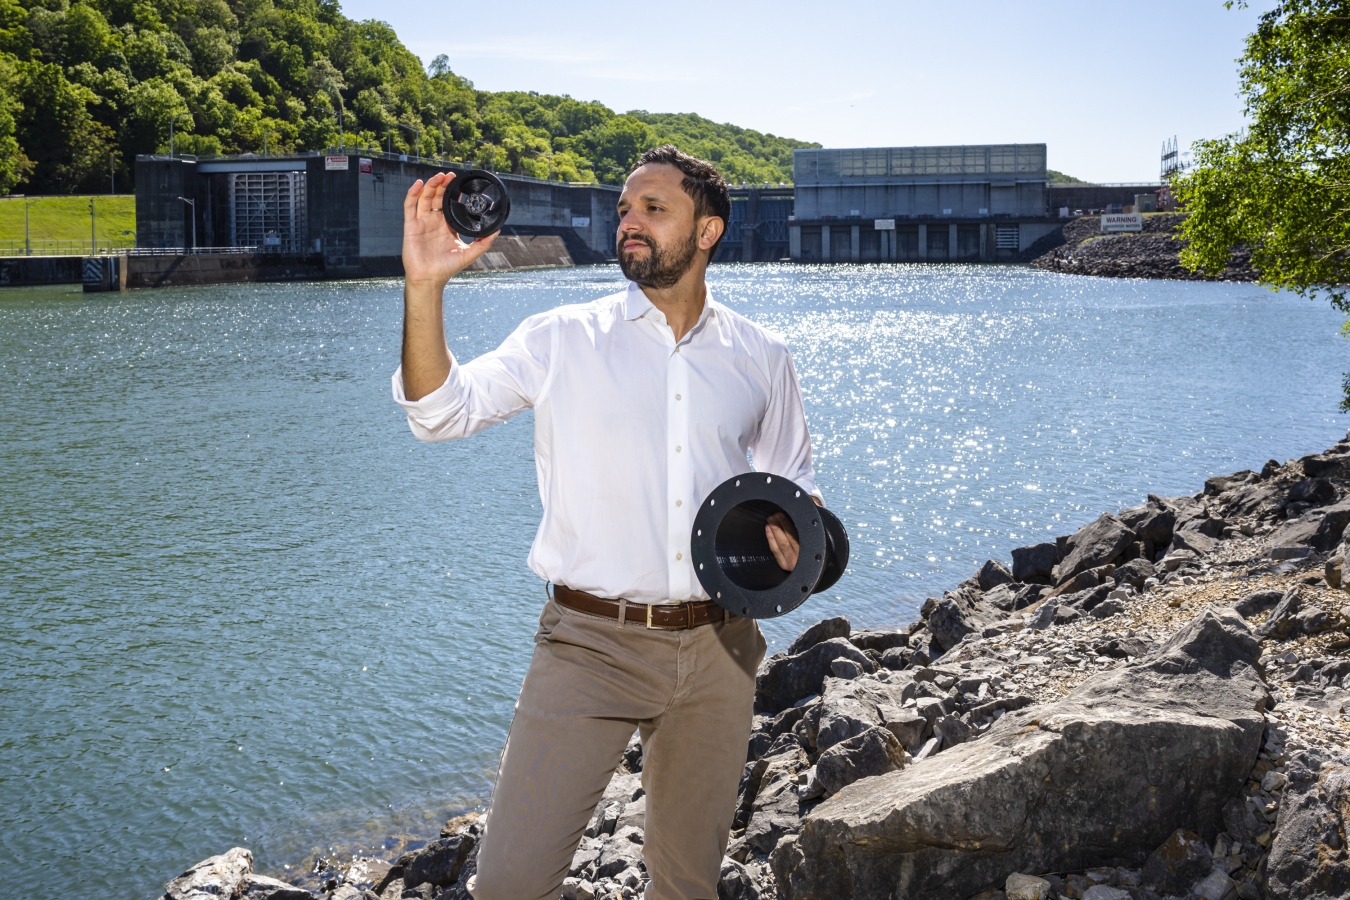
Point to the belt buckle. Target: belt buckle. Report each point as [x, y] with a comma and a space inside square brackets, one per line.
[688, 618]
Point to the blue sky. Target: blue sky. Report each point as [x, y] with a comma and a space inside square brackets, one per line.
[1103, 84]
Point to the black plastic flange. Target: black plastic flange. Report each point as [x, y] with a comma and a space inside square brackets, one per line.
[731, 553]
[476, 203]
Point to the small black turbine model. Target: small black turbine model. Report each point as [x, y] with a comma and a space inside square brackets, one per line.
[475, 204]
[731, 553]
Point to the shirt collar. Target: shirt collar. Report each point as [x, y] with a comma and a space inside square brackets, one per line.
[636, 304]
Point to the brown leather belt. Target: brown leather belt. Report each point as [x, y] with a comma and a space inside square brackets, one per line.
[669, 617]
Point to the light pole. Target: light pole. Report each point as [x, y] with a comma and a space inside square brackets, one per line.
[133, 237]
[194, 221]
[93, 239]
[186, 115]
[27, 245]
[266, 134]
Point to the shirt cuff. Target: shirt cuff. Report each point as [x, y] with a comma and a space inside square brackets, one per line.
[448, 398]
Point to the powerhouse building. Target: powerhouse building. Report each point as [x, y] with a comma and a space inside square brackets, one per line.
[934, 204]
[342, 211]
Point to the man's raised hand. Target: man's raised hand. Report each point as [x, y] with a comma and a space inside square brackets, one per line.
[432, 252]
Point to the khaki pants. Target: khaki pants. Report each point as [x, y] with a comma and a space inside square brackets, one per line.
[689, 693]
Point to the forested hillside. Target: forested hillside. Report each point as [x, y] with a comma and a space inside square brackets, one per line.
[87, 84]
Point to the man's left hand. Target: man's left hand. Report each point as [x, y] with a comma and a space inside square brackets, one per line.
[783, 541]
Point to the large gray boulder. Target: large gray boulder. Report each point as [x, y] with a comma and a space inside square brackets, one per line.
[1101, 777]
[784, 679]
[771, 798]
[874, 752]
[260, 887]
[1034, 562]
[1309, 859]
[1157, 525]
[1334, 466]
[838, 627]
[438, 863]
[850, 707]
[1094, 545]
[1320, 529]
[992, 574]
[1312, 490]
[213, 878]
[956, 616]
[1193, 540]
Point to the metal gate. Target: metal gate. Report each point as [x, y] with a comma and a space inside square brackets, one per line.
[1007, 237]
[268, 211]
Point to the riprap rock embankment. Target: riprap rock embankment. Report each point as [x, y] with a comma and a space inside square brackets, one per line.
[1080, 248]
[1153, 707]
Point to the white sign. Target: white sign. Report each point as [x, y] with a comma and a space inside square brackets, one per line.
[984, 211]
[884, 225]
[581, 221]
[335, 163]
[946, 212]
[853, 212]
[1123, 222]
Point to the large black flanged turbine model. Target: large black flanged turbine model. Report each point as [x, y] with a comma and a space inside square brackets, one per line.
[475, 204]
[731, 553]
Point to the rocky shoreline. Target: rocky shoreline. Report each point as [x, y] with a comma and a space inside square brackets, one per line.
[1153, 707]
[1080, 248]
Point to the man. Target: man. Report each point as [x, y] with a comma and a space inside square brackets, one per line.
[644, 402]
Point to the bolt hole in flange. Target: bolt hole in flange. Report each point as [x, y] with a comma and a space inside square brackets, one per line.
[733, 558]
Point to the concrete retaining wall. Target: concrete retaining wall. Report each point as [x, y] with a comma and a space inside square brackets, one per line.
[222, 268]
[508, 252]
[27, 270]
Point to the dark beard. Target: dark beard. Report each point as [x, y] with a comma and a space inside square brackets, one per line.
[663, 267]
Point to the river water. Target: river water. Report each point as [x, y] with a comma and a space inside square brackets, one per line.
[243, 606]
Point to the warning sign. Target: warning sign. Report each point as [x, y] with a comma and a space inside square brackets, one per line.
[335, 163]
[367, 167]
[1123, 222]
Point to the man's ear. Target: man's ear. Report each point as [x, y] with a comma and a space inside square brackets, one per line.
[709, 231]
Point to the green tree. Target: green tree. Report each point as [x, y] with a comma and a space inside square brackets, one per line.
[1282, 186]
[15, 166]
[616, 145]
[276, 69]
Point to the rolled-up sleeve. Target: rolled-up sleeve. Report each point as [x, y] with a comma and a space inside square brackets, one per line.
[783, 444]
[490, 389]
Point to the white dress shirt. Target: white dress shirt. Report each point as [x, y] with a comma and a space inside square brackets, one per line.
[631, 432]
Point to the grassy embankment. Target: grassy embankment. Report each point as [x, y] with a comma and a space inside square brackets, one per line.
[61, 224]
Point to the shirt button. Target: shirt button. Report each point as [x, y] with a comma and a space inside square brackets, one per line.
[679, 503]
[678, 397]
[679, 556]
[677, 349]
[678, 448]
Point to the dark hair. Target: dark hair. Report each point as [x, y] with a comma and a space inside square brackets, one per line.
[701, 181]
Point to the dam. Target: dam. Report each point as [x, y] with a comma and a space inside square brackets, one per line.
[340, 214]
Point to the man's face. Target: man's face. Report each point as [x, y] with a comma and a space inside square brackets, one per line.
[658, 237]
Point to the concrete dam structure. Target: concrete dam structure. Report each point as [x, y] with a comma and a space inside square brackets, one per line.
[341, 215]
[919, 204]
